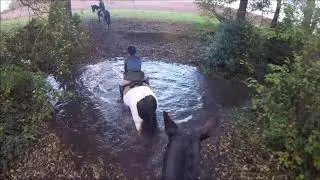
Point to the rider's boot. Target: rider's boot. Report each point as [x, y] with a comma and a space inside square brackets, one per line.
[121, 88]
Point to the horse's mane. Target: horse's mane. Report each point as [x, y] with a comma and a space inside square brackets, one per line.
[190, 167]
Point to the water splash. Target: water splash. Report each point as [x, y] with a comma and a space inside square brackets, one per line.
[177, 87]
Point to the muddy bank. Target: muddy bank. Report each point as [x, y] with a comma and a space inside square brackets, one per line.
[164, 41]
[51, 159]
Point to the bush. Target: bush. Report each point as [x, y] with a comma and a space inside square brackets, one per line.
[23, 109]
[240, 48]
[27, 56]
[228, 50]
[26, 47]
[243, 152]
[288, 108]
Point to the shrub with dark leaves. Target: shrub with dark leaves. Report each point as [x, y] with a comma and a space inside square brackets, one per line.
[228, 49]
[288, 108]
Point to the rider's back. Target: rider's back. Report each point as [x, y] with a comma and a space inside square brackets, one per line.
[133, 63]
[133, 69]
[101, 4]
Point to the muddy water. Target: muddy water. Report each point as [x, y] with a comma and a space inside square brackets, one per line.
[95, 123]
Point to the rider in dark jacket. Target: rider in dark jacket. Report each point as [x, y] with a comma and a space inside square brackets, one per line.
[101, 4]
[132, 66]
[102, 7]
[132, 70]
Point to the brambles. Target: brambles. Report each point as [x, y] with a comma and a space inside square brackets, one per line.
[28, 55]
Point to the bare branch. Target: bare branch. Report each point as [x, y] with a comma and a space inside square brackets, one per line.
[211, 7]
[37, 6]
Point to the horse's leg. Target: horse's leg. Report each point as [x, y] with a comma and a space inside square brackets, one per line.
[98, 16]
[136, 118]
[121, 89]
[109, 21]
[105, 19]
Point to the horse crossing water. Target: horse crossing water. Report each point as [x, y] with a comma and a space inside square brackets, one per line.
[180, 89]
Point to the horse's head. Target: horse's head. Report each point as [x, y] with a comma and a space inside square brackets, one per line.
[93, 7]
[182, 155]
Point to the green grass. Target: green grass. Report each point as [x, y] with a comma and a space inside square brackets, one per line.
[142, 15]
[149, 15]
[11, 25]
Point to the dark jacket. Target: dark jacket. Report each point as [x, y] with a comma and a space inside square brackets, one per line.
[132, 63]
[132, 69]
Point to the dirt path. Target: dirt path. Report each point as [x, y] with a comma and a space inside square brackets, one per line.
[163, 41]
[77, 5]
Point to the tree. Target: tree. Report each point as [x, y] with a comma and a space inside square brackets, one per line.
[214, 7]
[65, 5]
[37, 6]
[308, 11]
[274, 22]
[316, 19]
[305, 14]
[241, 14]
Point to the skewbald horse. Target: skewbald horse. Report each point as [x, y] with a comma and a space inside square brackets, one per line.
[143, 104]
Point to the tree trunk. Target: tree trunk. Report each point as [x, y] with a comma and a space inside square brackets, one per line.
[274, 22]
[307, 14]
[67, 14]
[68, 9]
[241, 14]
[315, 20]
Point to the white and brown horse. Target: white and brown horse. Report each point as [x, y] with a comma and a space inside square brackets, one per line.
[143, 105]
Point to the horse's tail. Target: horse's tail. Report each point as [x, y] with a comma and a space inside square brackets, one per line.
[147, 111]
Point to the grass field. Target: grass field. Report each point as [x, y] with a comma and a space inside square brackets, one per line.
[9, 25]
[142, 15]
[150, 15]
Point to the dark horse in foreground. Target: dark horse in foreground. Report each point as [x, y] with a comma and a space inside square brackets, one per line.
[105, 14]
[182, 155]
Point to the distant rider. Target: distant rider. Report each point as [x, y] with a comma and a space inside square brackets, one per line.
[102, 7]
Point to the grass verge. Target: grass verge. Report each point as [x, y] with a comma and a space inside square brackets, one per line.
[150, 15]
[141, 15]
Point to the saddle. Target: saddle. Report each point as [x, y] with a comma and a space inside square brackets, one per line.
[133, 84]
[137, 83]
